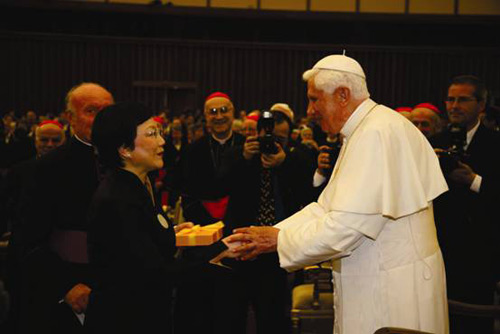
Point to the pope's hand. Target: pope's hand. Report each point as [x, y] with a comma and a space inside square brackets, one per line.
[255, 241]
[180, 227]
[78, 298]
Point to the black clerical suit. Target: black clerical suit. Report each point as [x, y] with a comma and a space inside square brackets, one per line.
[208, 168]
[261, 282]
[131, 250]
[467, 226]
[54, 237]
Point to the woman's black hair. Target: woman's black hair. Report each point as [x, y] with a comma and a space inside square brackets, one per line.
[116, 126]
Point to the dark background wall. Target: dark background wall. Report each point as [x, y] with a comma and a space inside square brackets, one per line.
[176, 56]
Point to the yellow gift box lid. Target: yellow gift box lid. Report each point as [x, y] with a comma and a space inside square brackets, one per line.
[200, 235]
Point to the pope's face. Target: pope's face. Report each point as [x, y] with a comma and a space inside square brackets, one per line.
[219, 116]
[465, 108]
[147, 154]
[323, 109]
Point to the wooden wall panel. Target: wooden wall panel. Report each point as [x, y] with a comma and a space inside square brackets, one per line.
[444, 7]
[40, 69]
[382, 6]
[333, 5]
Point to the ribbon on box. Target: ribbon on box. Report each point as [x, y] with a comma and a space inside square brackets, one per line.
[200, 235]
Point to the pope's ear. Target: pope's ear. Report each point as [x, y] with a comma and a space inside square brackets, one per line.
[124, 152]
[343, 95]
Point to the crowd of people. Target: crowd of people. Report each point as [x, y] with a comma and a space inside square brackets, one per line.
[88, 198]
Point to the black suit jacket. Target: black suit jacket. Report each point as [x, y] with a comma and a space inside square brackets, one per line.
[466, 221]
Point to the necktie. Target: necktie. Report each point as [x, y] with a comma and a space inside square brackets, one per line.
[266, 212]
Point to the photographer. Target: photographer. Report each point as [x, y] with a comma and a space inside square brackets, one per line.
[275, 184]
[465, 216]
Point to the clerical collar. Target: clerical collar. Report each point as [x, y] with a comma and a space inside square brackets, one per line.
[471, 133]
[82, 141]
[223, 141]
[356, 117]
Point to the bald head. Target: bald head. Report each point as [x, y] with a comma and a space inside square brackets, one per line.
[219, 114]
[47, 137]
[84, 102]
[426, 120]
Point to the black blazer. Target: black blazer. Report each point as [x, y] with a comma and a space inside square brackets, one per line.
[467, 222]
[132, 254]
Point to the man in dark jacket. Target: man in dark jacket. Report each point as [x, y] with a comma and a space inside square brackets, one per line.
[465, 216]
[56, 277]
[273, 185]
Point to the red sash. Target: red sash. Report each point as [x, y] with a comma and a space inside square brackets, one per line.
[217, 208]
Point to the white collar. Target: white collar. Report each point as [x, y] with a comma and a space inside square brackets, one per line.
[223, 141]
[471, 133]
[356, 117]
[82, 141]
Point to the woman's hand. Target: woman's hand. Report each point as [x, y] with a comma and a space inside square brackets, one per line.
[182, 226]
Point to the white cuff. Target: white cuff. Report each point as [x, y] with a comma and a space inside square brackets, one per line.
[318, 179]
[476, 183]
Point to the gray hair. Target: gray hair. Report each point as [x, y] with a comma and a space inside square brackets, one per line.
[329, 80]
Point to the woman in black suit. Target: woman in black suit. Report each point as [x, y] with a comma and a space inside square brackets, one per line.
[131, 242]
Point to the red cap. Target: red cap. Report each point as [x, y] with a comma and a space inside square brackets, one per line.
[159, 119]
[217, 94]
[428, 106]
[51, 122]
[402, 109]
[253, 117]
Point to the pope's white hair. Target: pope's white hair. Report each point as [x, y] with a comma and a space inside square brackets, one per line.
[329, 80]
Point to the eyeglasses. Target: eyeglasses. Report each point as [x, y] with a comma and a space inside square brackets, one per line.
[223, 110]
[154, 132]
[459, 99]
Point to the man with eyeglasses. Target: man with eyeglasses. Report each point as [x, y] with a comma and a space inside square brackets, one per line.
[465, 216]
[272, 187]
[208, 168]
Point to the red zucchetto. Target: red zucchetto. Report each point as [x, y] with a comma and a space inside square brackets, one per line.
[217, 94]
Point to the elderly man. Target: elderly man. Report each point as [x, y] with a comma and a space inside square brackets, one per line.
[208, 163]
[208, 169]
[48, 136]
[467, 214]
[374, 219]
[425, 116]
[57, 277]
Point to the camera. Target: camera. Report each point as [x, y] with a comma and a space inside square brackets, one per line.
[456, 152]
[333, 152]
[267, 142]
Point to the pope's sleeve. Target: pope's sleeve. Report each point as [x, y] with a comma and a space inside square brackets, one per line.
[336, 234]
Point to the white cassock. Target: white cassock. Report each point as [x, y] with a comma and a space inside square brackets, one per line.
[375, 220]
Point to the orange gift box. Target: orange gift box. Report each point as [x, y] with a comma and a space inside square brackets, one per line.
[200, 235]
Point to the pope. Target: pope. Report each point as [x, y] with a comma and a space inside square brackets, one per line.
[374, 220]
